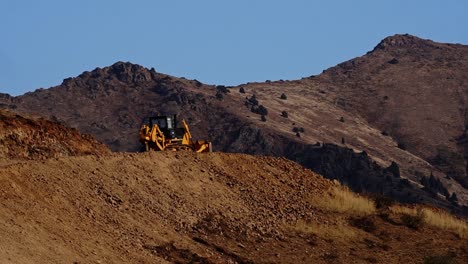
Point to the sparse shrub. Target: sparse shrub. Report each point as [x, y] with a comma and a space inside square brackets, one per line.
[262, 110]
[298, 134]
[382, 201]
[393, 61]
[365, 223]
[219, 95]
[284, 114]
[263, 118]
[222, 89]
[342, 119]
[241, 90]
[401, 145]
[343, 140]
[197, 83]
[298, 129]
[253, 100]
[283, 96]
[385, 133]
[413, 221]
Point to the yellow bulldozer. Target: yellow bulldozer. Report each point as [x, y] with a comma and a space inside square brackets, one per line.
[161, 133]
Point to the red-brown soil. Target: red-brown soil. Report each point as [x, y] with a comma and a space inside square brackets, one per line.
[36, 138]
[189, 208]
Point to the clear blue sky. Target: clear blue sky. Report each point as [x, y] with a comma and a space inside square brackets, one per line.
[217, 42]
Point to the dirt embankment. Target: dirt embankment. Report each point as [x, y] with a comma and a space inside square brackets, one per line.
[36, 138]
[189, 208]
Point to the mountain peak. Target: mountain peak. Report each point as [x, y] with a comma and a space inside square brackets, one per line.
[127, 66]
[123, 71]
[403, 41]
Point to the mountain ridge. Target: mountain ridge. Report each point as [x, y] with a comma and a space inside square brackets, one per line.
[111, 103]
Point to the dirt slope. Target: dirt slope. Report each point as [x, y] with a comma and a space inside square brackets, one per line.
[37, 138]
[188, 208]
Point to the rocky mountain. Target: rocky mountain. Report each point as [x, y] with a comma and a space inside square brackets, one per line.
[338, 123]
[415, 91]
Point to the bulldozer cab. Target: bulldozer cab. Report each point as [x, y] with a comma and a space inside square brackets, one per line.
[167, 124]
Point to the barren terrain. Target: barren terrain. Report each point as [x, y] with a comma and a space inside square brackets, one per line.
[389, 125]
[189, 208]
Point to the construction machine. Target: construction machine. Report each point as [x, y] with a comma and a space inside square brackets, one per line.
[161, 133]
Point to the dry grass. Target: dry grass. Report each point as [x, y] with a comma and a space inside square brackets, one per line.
[340, 231]
[437, 219]
[343, 200]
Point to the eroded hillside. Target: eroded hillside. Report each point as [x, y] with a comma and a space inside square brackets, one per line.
[201, 208]
[36, 138]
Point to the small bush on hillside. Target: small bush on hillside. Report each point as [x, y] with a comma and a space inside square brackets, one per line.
[252, 100]
[393, 61]
[261, 110]
[284, 114]
[263, 118]
[382, 201]
[219, 95]
[222, 89]
[241, 90]
[298, 129]
[413, 221]
[365, 223]
[401, 145]
[283, 96]
[197, 83]
[342, 119]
